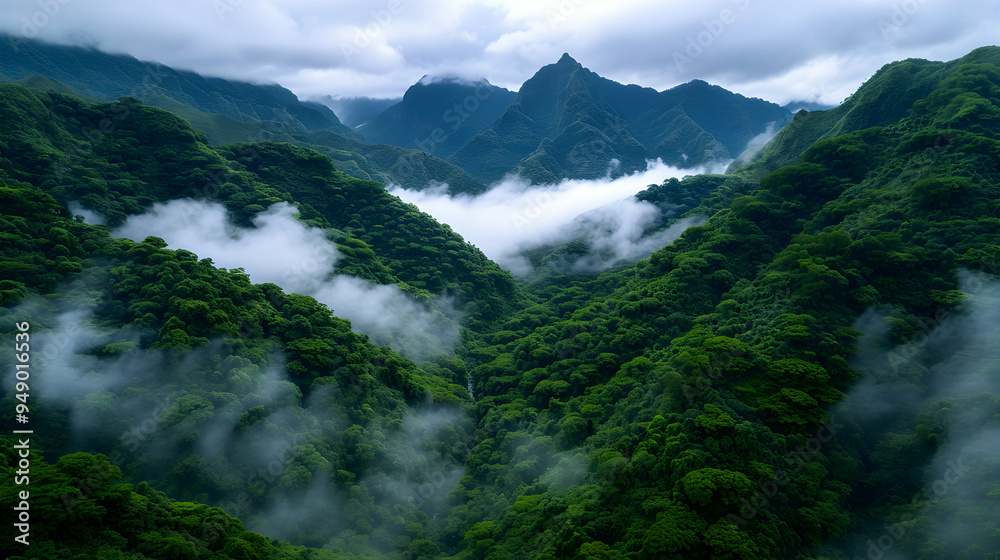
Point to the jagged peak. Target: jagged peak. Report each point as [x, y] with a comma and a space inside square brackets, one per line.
[567, 59]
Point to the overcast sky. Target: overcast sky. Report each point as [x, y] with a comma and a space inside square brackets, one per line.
[774, 49]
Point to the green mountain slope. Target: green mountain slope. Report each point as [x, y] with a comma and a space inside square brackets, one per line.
[692, 409]
[162, 362]
[439, 116]
[567, 121]
[226, 111]
[100, 517]
[245, 363]
[884, 99]
[810, 372]
[389, 165]
[108, 77]
[146, 155]
[48, 84]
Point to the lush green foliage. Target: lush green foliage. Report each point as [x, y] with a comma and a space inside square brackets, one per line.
[690, 387]
[348, 412]
[883, 100]
[439, 117]
[684, 407]
[214, 340]
[107, 77]
[81, 509]
[567, 121]
[226, 111]
[132, 155]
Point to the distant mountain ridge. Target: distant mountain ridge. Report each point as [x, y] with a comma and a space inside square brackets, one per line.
[567, 121]
[227, 111]
[111, 76]
[810, 372]
[439, 115]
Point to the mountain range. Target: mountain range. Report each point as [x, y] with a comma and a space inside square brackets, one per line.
[226, 111]
[567, 122]
[564, 122]
[439, 115]
[811, 372]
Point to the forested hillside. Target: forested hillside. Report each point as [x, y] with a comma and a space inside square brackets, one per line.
[812, 373]
[127, 309]
[356, 111]
[568, 122]
[439, 115]
[884, 99]
[226, 111]
[701, 394]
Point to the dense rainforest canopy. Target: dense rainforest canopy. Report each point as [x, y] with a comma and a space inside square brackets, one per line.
[810, 374]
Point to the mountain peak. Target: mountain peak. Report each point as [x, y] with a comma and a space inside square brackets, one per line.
[695, 83]
[567, 59]
[427, 80]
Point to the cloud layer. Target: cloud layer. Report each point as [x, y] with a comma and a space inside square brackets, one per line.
[513, 217]
[124, 401]
[953, 358]
[300, 259]
[379, 48]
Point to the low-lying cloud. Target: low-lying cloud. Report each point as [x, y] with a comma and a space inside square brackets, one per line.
[300, 259]
[950, 364]
[755, 145]
[514, 216]
[216, 428]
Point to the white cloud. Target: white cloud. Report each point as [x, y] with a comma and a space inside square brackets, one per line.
[953, 357]
[769, 49]
[280, 250]
[756, 144]
[513, 215]
[300, 259]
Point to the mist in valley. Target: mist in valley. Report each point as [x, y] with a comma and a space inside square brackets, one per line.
[514, 217]
[301, 259]
[941, 382]
[255, 449]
